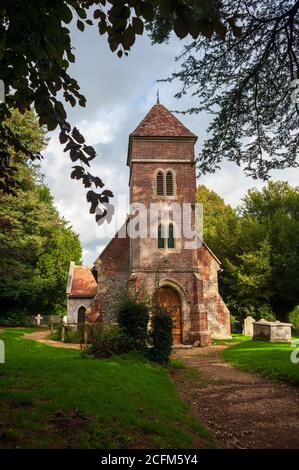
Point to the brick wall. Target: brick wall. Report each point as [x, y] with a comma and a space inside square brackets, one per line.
[113, 267]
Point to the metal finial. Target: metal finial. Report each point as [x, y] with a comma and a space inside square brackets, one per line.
[158, 98]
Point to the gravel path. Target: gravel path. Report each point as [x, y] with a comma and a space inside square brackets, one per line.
[241, 410]
[42, 337]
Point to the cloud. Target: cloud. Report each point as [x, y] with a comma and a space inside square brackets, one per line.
[104, 129]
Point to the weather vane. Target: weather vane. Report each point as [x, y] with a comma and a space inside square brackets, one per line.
[158, 98]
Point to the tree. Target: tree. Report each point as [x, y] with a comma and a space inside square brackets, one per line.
[249, 281]
[276, 211]
[215, 213]
[258, 247]
[36, 244]
[36, 51]
[246, 83]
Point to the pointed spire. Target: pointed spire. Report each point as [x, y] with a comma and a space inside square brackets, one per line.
[158, 97]
[160, 122]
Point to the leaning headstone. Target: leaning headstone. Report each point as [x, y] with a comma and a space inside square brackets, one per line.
[248, 326]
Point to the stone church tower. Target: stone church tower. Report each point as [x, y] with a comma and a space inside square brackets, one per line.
[178, 275]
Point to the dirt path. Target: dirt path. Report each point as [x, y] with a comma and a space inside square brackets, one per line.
[242, 410]
[42, 337]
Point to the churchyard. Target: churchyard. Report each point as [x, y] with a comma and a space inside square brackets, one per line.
[128, 402]
[52, 397]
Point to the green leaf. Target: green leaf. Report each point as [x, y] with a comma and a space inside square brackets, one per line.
[62, 137]
[220, 29]
[102, 27]
[147, 11]
[90, 151]
[137, 25]
[66, 14]
[78, 136]
[80, 25]
[166, 7]
[97, 14]
[107, 193]
[52, 124]
[128, 38]
[180, 28]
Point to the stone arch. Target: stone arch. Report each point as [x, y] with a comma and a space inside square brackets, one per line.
[185, 307]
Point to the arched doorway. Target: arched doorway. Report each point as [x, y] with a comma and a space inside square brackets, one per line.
[169, 300]
[81, 314]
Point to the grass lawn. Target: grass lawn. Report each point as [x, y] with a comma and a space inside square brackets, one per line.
[236, 338]
[52, 397]
[269, 359]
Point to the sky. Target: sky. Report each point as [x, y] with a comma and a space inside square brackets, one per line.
[119, 93]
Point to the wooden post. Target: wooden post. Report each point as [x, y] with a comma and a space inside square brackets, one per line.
[85, 335]
[62, 333]
[52, 327]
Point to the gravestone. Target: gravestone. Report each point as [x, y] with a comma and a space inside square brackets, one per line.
[38, 318]
[273, 331]
[248, 326]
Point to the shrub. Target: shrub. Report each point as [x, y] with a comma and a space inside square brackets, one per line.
[235, 324]
[294, 317]
[14, 318]
[56, 336]
[133, 317]
[264, 311]
[161, 337]
[72, 335]
[105, 342]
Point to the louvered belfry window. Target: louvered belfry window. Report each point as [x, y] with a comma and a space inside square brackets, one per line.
[160, 184]
[169, 183]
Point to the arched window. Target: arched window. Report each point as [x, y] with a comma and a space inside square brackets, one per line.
[161, 237]
[164, 238]
[169, 183]
[160, 184]
[170, 241]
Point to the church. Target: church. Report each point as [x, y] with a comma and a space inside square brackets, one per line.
[181, 279]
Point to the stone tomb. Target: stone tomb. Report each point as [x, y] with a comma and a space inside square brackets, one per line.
[273, 331]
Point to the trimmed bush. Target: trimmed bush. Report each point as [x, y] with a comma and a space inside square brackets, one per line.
[133, 318]
[105, 342]
[161, 337]
[72, 335]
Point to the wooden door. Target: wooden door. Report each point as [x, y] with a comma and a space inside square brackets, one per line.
[169, 300]
[81, 315]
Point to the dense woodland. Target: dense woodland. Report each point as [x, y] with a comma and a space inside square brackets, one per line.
[36, 243]
[258, 245]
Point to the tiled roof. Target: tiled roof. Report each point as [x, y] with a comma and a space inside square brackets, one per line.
[83, 282]
[160, 122]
